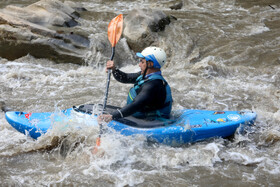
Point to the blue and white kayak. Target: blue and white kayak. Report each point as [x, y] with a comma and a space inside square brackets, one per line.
[185, 126]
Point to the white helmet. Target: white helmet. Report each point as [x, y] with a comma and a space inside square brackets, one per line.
[154, 54]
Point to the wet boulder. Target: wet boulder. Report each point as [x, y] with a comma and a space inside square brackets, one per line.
[142, 28]
[101, 52]
[34, 30]
[177, 6]
[47, 13]
[3, 106]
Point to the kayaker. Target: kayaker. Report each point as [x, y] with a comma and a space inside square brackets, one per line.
[150, 97]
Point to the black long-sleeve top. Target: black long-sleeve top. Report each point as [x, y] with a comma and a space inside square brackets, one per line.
[150, 96]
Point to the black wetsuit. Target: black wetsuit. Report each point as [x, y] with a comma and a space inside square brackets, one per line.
[150, 96]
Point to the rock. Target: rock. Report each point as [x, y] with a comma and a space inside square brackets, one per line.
[3, 107]
[29, 30]
[142, 27]
[46, 12]
[101, 52]
[77, 6]
[177, 6]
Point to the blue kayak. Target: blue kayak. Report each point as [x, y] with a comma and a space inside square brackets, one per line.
[185, 126]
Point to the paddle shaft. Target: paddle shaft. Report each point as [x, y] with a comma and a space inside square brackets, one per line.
[108, 82]
[106, 93]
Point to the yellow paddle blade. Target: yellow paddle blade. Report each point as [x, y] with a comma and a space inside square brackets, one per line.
[115, 30]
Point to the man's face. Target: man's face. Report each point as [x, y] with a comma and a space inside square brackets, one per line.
[142, 64]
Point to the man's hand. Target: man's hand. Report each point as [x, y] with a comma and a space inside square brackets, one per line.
[110, 65]
[104, 118]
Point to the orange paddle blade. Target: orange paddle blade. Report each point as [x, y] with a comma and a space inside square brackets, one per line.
[98, 142]
[115, 30]
[95, 149]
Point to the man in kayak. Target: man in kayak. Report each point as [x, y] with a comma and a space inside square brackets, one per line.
[150, 97]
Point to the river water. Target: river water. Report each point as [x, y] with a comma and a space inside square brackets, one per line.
[233, 64]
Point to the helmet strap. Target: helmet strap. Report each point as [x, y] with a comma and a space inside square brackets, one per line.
[145, 71]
